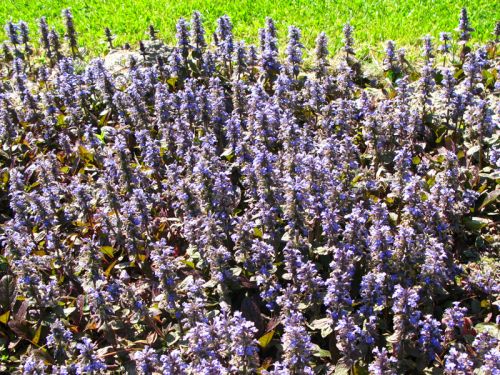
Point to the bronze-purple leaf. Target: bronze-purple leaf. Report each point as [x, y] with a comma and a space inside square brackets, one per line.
[21, 328]
[7, 292]
[250, 310]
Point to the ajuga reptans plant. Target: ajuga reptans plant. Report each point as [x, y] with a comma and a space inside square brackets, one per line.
[213, 207]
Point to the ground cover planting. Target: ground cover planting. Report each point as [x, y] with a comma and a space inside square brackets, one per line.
[207, 206]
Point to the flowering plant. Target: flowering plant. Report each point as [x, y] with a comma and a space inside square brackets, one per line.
[211, 208]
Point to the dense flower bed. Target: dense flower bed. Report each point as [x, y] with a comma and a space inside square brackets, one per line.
[217, 209]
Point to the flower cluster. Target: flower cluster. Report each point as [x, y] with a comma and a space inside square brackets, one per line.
[212, 208]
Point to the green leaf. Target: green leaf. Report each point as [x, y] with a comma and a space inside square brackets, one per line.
[341, 368]
[440, 133]
[471, 151]
[257, 232]
[4, 318]
[432, 371]
[485, 304]
[321, 353]
[324, 324]
[104, 116]
[7, 292]
[4, 264]
[100, 136]
[285, 237]
[68, 311]
[5, 177]
[490, 328]
[322, 250]
[358, 369]
[320, 323]
[476, 223]
[228, 154]
[236, 271]
[185, 283]
[495, 175]
[172, 81]
[189, 263]
[85, 154]
[458, 73]
[36, 337]
[393, 216]
[210, 284]
[416, 160]
[110, 268]
[61, 119]
[172, 338]
[265, 339]
[491, 197]
[108, 250]
[392, 338]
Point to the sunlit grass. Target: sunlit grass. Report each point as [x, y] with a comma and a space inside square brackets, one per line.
[375, 21]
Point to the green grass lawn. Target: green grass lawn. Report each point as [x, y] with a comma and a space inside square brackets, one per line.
[374, 21]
